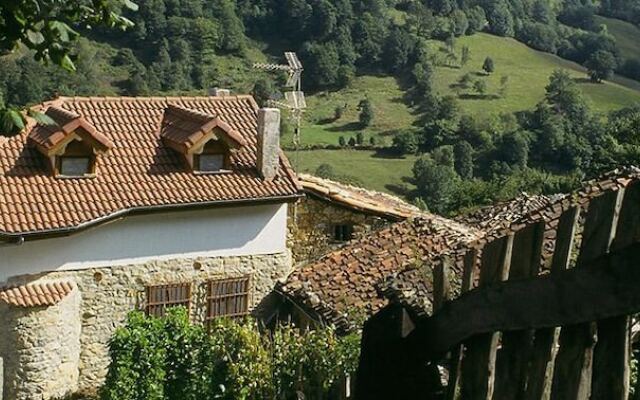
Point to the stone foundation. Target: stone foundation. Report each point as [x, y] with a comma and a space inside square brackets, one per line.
[104, 297]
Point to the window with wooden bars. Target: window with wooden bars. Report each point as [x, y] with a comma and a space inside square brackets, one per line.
[228, 298]
[162, 297]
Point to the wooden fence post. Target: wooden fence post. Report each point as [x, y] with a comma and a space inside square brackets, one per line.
[574, 362]
[514, 354]
[611, 371]
[479, 360]
[455, 364]
[540, 370]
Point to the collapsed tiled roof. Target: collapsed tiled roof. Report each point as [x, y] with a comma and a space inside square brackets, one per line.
[357, 198]
[341, 286]
[36, 294]
[138, 172]
[502, 214]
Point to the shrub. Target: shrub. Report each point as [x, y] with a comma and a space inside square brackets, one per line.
[170, 358]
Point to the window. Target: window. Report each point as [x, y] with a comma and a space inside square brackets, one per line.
[228, 298]
[162, 297]
[75, 166]
[342, 232]
[214, 157]
[210, 162]
[77, 160]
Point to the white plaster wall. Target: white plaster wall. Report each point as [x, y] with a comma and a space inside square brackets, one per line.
[248, 230]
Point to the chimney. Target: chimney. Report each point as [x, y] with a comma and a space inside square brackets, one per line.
[268, 142]
[219, 92]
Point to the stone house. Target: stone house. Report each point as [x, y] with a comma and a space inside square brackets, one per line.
[334, 213]
[133, 203]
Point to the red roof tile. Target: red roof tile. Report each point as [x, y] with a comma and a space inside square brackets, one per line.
[37, 294]
[138, 172]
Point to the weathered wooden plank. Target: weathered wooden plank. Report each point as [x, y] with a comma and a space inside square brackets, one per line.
[512, 358]
[478, 363]
[611, 368]
[455, 359]
[574, 362]
[540, 370]
[441, 284]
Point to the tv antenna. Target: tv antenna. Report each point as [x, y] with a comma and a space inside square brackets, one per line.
[294, 100]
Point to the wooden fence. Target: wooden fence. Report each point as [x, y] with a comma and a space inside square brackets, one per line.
[518, 330]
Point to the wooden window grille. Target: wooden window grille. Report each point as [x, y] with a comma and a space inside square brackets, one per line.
[342, 232]
[228, 298]
[162, 297]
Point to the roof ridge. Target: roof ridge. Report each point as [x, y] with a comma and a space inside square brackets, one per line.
[63, 99]
[190, 113]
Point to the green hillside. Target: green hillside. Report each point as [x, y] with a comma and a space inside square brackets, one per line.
[528, 71]
[627, 36]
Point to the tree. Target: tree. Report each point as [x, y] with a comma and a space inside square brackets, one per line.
[437, 184]
[337, 112]
[480, 86]
[500, 20]
[366, 112]
[600, 65]
[262, 91]
[488, 66]
[465, 56]
[405, 142]
[463, 155]
[342, 141]
[46, 26]
[360, 138]
[352, 142]
[477, 19]
[514, 149]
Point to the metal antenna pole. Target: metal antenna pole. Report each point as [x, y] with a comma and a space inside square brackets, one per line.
[294, 100]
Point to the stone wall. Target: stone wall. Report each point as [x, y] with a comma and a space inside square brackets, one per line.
[310, 226]
[41, 349]
[108, 294]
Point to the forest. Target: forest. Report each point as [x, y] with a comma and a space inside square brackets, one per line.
[189, 46]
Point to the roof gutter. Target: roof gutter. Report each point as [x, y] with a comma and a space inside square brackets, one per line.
[21, 237]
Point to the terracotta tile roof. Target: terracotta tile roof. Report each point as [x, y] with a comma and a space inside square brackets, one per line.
[183, 128]
[341, 286]
[138, 172]
[37, 294]
[48, 137]
[357, 198]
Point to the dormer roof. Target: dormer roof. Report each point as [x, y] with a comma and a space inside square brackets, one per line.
[68, 126]
[186, 129]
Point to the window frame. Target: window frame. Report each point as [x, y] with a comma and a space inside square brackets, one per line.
[210, 297]
[89, 171]
[76, 149]
[163, 304]
[345, 235]
[211, 148]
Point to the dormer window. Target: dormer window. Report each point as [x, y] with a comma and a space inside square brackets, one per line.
[77, 160]
[214, 157]
[205, 141]
[71, 145]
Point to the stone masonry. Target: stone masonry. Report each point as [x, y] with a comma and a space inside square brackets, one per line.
[310, 227]
[41, 349]
[103, 298]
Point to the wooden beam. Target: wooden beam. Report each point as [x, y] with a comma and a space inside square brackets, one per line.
[478, 363]
[541, 365]
[606, 287]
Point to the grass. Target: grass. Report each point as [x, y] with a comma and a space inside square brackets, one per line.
[528, 72]
[365, 167]
[627, 36]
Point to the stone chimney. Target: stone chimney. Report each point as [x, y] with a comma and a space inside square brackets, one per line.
[219, 92]
[268, 142]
